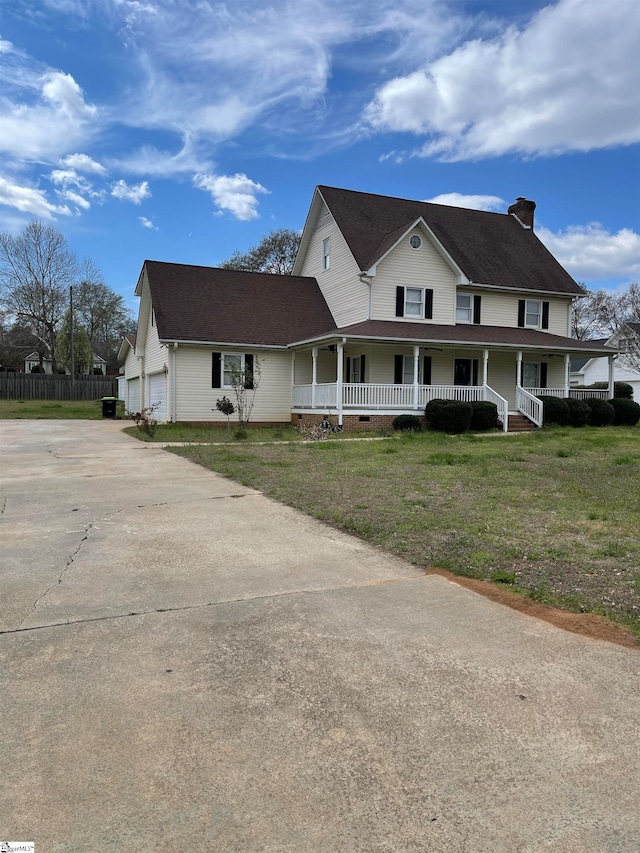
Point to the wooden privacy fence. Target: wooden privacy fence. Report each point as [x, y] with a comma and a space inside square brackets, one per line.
[42, 386]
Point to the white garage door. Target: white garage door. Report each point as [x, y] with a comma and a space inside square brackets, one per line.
[158, 396]
[132, 400]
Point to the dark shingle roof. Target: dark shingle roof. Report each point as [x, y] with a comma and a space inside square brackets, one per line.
[205, 304]
[490, 248]
[463, 333]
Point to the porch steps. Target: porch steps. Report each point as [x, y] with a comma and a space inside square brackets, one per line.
[520, 423]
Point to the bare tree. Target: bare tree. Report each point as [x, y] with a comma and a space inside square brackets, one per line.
[275, 253]
[245, 381]
[102, 312]
[36, 270]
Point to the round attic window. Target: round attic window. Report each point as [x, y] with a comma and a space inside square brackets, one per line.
[415, 242]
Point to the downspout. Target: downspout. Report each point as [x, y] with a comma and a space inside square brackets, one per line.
[365, 278]
[174, 383]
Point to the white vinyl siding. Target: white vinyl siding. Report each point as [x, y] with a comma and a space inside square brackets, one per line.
[196, 399]
[409, 268]
[501, 309]
[347, 297]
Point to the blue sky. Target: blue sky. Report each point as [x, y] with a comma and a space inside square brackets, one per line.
[182, 130]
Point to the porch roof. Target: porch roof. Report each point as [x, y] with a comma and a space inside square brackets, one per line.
[489, 336]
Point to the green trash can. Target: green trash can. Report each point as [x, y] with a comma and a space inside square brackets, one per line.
[109, 407]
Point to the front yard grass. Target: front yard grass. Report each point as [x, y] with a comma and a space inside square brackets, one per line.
[553, 515]
[90, 410]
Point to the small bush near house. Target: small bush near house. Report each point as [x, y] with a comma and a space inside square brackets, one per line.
[406, 423]
[626, 412]
[602, 412]
[145, 420]
[484, 415]
[451, 416]
[554, 411]
[432, 406]
[579, 412]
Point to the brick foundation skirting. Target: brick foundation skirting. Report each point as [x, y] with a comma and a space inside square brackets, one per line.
[351, 423]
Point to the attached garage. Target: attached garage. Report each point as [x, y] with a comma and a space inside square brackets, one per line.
[158, 395]
[132, 400]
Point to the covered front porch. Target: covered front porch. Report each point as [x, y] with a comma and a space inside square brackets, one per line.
[373, 379]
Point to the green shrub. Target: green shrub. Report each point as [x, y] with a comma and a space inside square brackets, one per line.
[620, 389]
[554, 411]
[484, 415]
[579, 412]
[626, 412]
[432, 406]
[452, 416]
[602, 411]
[407, 423]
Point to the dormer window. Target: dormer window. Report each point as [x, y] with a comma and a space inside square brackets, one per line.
[415, 242]
[326, 253]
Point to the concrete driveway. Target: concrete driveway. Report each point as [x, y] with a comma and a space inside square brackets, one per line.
[187, 665]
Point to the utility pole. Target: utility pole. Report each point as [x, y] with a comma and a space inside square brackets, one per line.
[73, 355]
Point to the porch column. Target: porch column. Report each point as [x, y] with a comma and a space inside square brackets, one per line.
[567, 370]
[611, 379]
[339, 380]
[519, 368]
[416, 370]
[314, 375]
[485, 367]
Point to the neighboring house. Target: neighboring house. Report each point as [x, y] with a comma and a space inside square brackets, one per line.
[391, 303]
[32, 364]
[586, 371]
[129, 378]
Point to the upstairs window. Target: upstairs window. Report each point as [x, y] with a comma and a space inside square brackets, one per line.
[533, 314]
[326, 253]
[415, 303]
[415, 242]
[463, 308]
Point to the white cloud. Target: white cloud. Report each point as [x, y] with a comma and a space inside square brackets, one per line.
[235, 193]
[150, 161]
[130, 192]
[591, 253]
[473, 202]
[42, 115]
[29, 200]
[567, 81]
[147, 223]
[83, 163]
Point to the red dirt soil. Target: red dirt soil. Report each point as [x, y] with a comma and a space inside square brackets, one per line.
[586, 624]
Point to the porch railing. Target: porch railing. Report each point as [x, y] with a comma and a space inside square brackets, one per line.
[368, 396]
[578, 393]
[501, 404]
[529, 405]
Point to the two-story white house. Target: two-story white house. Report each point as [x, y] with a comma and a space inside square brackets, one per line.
[391, 303]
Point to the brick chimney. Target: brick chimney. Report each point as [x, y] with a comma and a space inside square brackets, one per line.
[523, 209]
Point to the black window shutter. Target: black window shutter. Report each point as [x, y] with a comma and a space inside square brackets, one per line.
[398, 369]
[399, 301]
[476, 308]
[521, 313]
[428, 304]
[361, 368]
[248, 372]
[543, 374]
[348, 369]
[545, 319]
[426, 370]
[216, 377]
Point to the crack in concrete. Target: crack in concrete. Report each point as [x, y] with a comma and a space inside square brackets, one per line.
[65, 569]
[197, 500]
[3, 506]
[339, 587]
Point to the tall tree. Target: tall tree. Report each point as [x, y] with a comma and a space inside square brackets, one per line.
[82, 352]
[275, 253]
[36, 270]
[102, 312]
